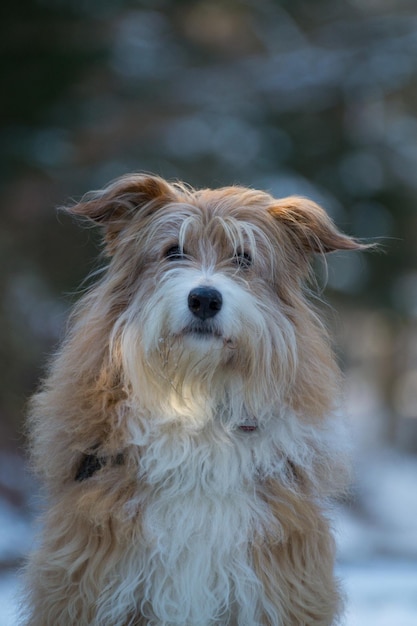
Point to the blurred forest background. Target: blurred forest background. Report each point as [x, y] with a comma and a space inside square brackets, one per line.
[293, 96]
[317, 98]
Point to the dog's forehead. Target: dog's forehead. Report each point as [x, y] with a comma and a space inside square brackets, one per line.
[229, 215]
[208, 208]
[211, 221]
[231, 200]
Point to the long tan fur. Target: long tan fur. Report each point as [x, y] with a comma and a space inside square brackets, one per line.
[214, 441]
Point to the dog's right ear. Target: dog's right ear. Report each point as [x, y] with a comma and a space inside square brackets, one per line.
[311, 229]
[114, 206]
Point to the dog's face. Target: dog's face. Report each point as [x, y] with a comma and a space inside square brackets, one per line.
[203, 292]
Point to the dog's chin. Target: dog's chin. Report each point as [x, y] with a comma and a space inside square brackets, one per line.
[205, 336]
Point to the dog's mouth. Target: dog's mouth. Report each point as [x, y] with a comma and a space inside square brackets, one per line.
[203, 330]
[248, 425]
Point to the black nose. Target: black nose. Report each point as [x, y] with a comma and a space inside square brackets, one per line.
[204, 302]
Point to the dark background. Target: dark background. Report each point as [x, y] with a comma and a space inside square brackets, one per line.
[294, 96]
[316, 98]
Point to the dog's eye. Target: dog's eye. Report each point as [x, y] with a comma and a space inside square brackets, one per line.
[175, 253]
[242, 260]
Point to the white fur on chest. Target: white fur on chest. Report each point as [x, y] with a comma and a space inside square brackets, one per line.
[200, 515]
[199, 526]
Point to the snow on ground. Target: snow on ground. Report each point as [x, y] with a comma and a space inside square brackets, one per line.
[15, 533]
[8, 599]
[377, 540]
[380, 593]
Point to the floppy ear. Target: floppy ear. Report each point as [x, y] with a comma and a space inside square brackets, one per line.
[310, 227]
[115, 205]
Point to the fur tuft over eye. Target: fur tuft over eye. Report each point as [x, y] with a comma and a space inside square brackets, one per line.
[175, 253]
[243, 260]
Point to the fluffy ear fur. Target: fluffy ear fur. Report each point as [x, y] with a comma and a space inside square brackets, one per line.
[310, 227]
[115, 205]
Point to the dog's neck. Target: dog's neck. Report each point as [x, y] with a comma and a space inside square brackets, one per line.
[93, 460]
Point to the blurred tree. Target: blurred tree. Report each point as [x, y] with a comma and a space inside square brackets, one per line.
[45, 48]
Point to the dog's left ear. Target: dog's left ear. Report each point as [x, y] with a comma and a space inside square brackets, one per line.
[310, 227]
[114, 206]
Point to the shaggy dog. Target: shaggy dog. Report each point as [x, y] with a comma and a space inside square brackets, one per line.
[185, 432]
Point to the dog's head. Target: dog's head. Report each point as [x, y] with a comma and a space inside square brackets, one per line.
[203, 294]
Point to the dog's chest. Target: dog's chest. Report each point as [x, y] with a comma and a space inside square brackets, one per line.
[199, 524]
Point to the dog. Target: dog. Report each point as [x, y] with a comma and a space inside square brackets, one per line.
[187, 433]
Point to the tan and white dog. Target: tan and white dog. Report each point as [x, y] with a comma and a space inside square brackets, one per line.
[186, 433]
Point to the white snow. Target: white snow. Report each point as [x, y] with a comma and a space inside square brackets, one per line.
[381, 593]
[8, 599]
[15, 533]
